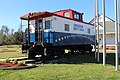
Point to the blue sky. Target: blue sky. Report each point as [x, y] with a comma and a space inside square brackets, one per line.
[11, 10]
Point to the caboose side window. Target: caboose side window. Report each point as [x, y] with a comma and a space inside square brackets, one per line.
[66, 27]
[47, 24]
[76, 16]
[67, 14]
[88, 30]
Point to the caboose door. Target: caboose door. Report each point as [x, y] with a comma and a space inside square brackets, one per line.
[40, 33]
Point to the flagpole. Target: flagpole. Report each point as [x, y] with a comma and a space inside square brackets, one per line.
[104, 32]
[116, 36]
[118, 12]
[97, 15]
[95, 26]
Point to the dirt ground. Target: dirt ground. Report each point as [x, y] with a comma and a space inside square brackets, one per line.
[7, 65]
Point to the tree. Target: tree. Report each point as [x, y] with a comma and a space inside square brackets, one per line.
[8, 37]
[12, 31]
[17, 37]
[1, 39]
[4, 30]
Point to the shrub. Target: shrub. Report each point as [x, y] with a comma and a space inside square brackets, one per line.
[21, 63]
[101, 46]
[7, 60]
[15, 61]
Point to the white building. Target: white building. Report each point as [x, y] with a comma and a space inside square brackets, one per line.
[110, 31]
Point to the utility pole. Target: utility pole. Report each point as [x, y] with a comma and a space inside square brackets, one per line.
[104, 32]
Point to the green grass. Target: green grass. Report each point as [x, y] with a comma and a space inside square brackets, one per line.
[11, 55]
[9, 47]
[11, 51]
[76, 67]
[63, 72]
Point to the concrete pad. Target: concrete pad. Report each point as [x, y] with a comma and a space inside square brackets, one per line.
[20, 58]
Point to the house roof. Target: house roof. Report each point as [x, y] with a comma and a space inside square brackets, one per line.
[92, 20]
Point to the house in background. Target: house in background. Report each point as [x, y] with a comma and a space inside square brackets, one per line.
[110, 31]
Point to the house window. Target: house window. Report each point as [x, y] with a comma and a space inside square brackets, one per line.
[66, 27]
[76, 16]
[47, 24]
[88, 30]
[66, 14]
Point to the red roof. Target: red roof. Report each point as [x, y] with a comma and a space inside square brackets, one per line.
[36, 15]
[67, 10]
